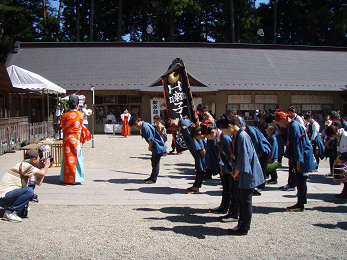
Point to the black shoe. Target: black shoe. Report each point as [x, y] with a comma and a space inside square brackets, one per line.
[172, 151]
[238, 232]
[207, 177]
[271, 181]
[296, 208]
[219, 210]
[341, 196]
[35, 198]
[256, 193]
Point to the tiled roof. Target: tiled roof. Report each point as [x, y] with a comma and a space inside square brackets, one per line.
[135, 66]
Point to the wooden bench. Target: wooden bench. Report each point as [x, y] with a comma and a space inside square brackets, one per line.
[56, 150]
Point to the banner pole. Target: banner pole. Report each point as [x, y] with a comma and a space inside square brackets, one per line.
[93, 107]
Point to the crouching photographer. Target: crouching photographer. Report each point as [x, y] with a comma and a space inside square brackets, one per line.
[18, 184]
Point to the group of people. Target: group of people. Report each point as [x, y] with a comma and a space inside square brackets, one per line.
[247, 157]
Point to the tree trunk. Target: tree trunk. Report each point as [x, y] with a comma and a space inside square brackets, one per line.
[232, 21]
[171, 26]
[44, 19]
[60, 10]
[78, 38]
[91, 20]
[275, 23]
[120, 20]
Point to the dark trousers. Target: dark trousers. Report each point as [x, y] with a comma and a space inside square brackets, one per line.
[344, 190]
[246, 209]
[273, 175]
[155, 166]
[316, 152]
[234, 209]
[292, 175]
[263, 160]
[301, 182]
[226, 181]
[199, 177]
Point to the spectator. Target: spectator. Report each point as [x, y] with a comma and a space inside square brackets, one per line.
[17, 186]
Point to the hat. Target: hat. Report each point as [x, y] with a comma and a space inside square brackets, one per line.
[291, 109]
[73, 100]
[31, 154]
[280, 115]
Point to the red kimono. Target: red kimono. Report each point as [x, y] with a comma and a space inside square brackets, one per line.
[74, 133]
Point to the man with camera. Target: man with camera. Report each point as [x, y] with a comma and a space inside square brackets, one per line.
[17, 185]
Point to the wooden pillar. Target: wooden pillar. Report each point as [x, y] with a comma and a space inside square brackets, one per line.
[43, 111]
[17, 104]
[22, 104]
[7, 104]
[29, 106]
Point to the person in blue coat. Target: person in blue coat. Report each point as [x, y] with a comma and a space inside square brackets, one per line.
[262, 148]
[313, 134]
[247, 169]
[196, 147]
[155, 144]
[273, 163]
[300, 154]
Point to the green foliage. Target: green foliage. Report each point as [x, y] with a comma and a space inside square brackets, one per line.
[309, 22]
[62, 105]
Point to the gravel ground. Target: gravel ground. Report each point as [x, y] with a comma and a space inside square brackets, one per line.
[167, 231]
[179, 232]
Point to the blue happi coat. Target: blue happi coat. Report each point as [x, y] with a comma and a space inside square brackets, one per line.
[212, 156]
[274, 144]
[300, 148]
[251, 174]
[260, 143]
[151, 134]
[193, 145]
[225, 155]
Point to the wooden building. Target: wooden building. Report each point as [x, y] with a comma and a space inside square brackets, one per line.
[224, 76]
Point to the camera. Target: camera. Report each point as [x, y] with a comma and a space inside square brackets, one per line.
[44, 149]
[42, 160]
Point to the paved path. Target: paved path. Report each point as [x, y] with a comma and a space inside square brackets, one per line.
[114, 215]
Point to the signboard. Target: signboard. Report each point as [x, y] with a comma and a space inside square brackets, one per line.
[266, 99]
[157, 104]
[239, 99]
[250, 107]
[311, 107]
[312, 99]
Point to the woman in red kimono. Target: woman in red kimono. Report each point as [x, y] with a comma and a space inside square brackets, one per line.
[125, 118]
[74, 133]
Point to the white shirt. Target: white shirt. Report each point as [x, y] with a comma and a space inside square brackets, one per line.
[12, 180]
[126, 114]
[300, 120]
[342, 145]
[86, 112]
[315, 130]
[110, 117]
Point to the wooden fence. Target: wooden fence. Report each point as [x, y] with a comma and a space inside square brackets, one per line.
[11, 136]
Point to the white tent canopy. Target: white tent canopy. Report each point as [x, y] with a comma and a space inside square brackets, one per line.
[25, 79]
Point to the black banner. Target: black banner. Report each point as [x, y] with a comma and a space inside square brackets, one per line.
[178, 99]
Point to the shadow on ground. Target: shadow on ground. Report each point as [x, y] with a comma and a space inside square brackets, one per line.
[194, 223]
[341, 225]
